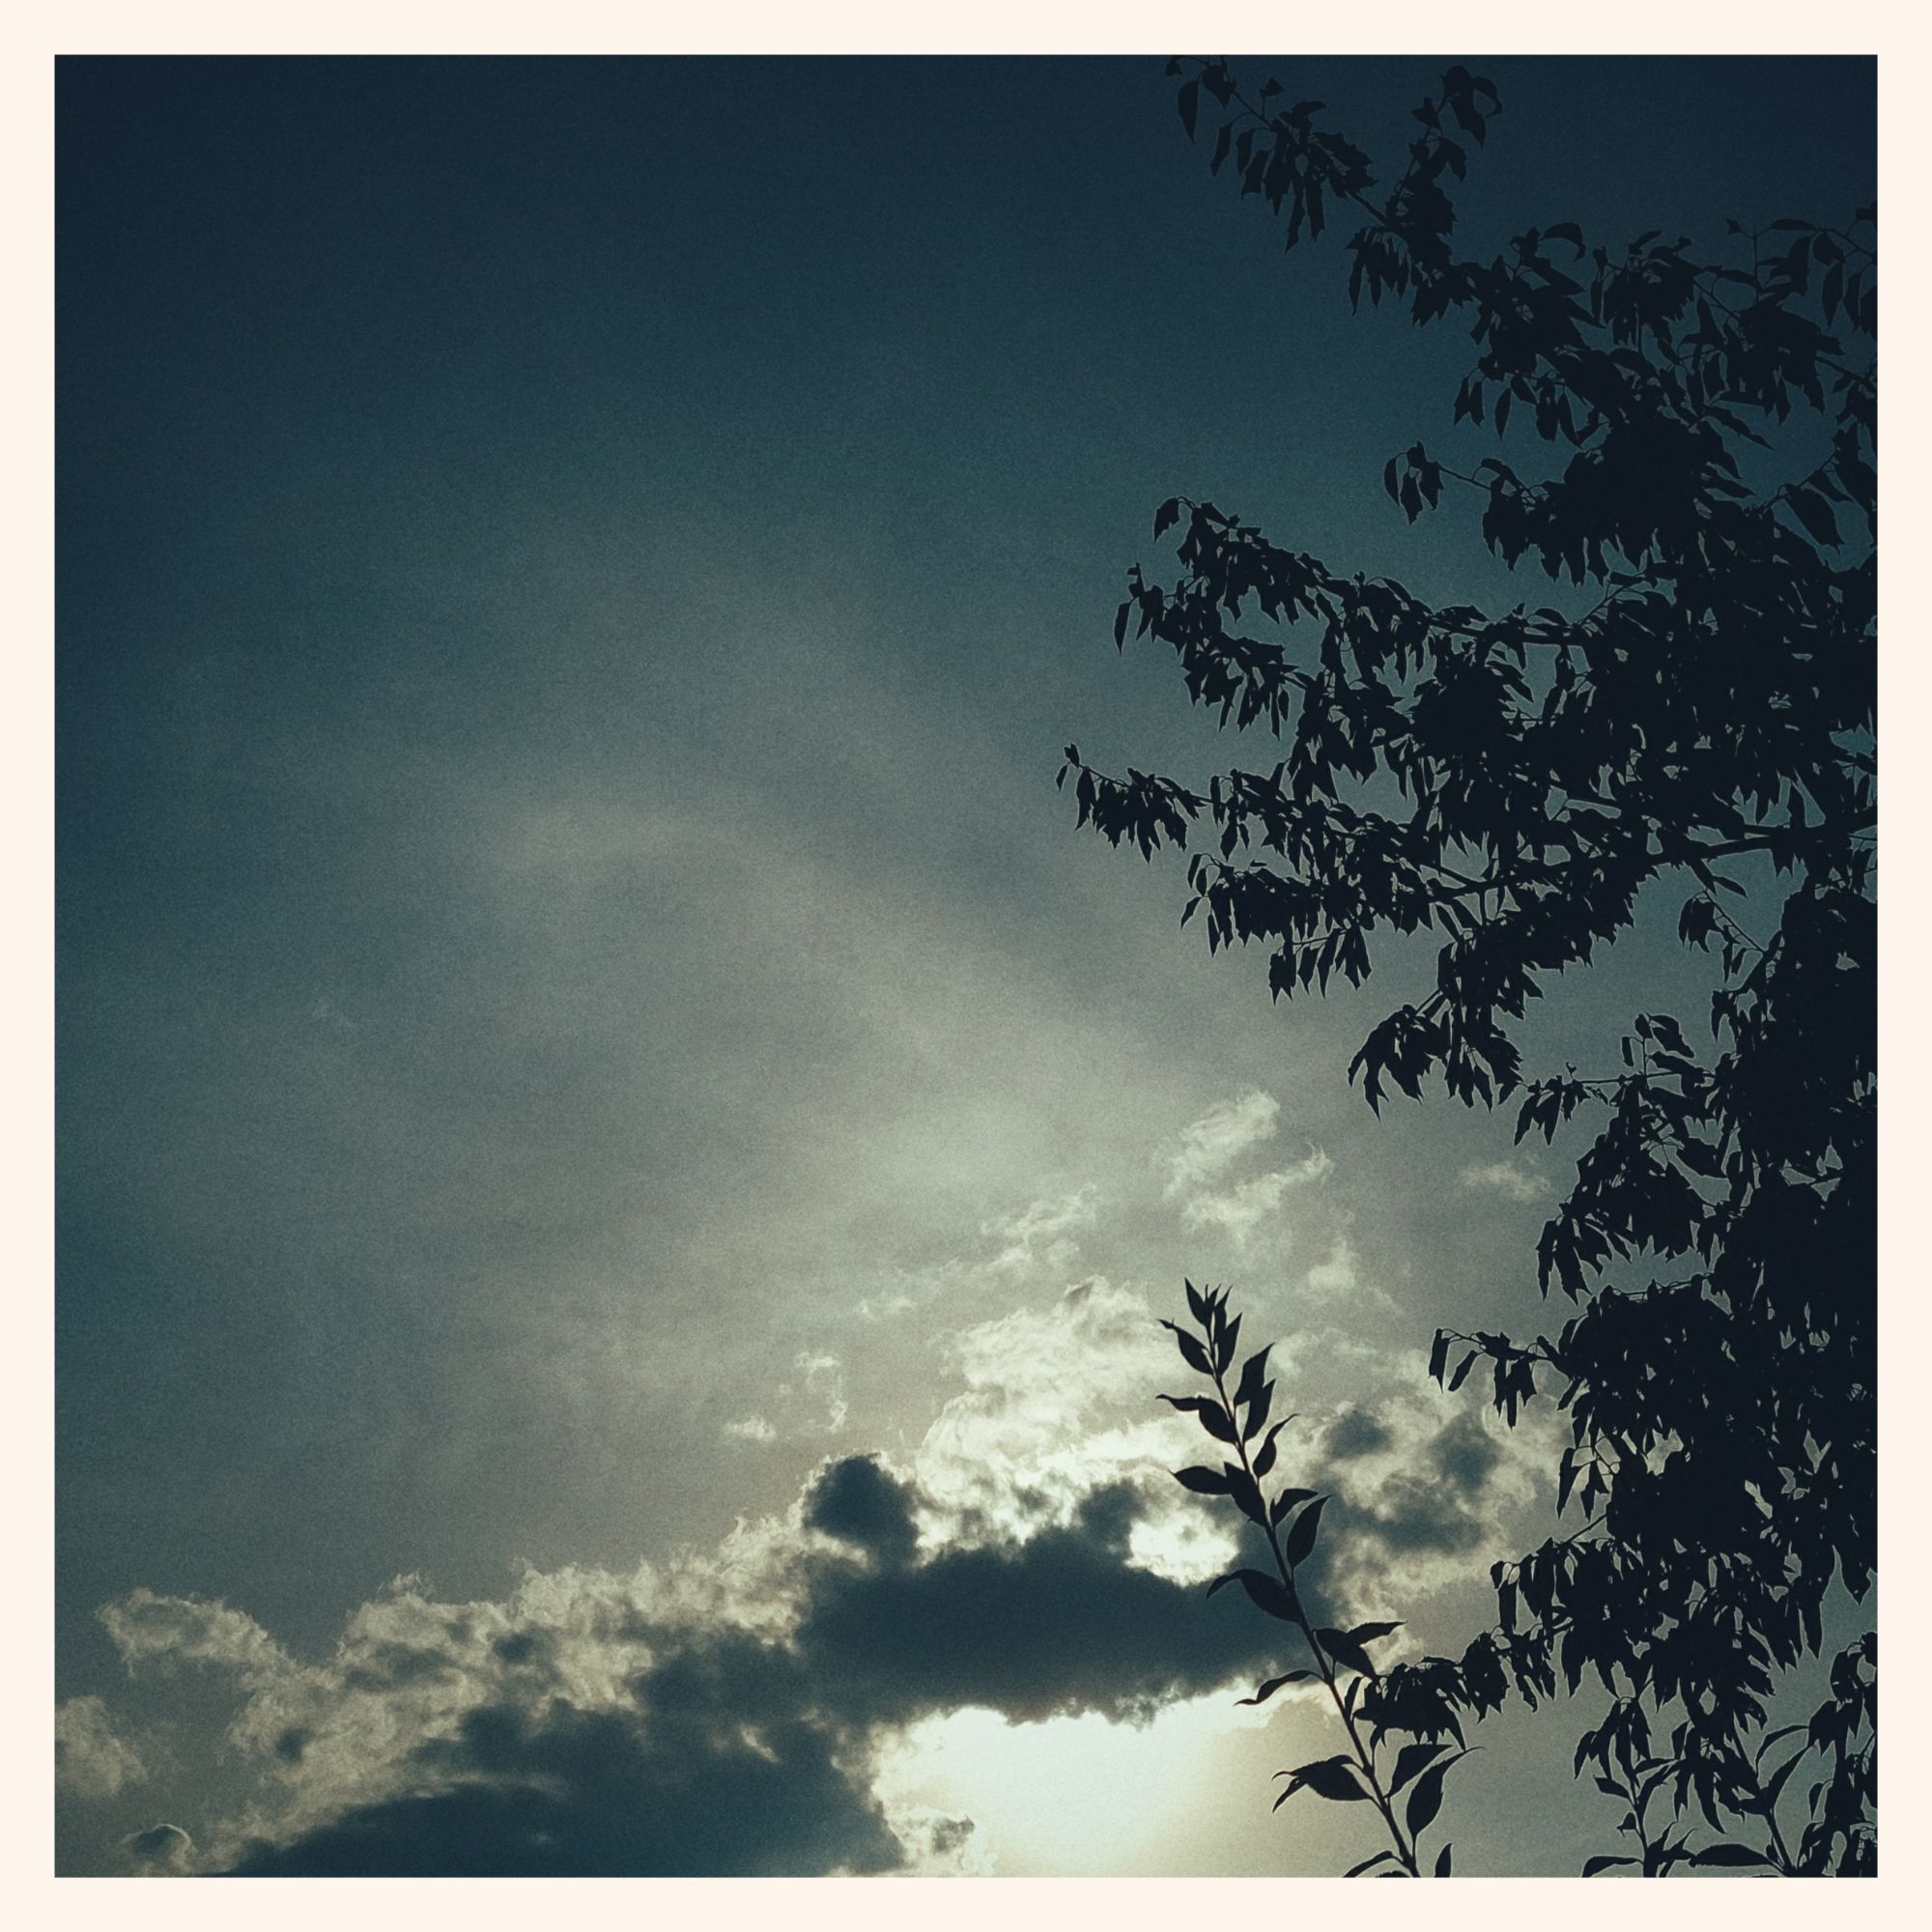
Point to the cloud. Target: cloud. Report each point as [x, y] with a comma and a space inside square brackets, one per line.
[1353, 1433]
[161, 1851]
[1058, 1400]
[1039, 1236]
[824, 1379]
[1034, 1244]
[1505, 1177]
[149, 1628]
[591, 1725]
[1422, 1483]
[1338, 1278]
[90, 1758]
[810, 1404]
[1209, 1146]
[1199, 1162]
[1061, 1624]
[860, 1502]
[741, 1710]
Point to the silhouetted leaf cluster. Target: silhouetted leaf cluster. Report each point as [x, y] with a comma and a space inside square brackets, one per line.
[1288, 1523]
[1701, 710]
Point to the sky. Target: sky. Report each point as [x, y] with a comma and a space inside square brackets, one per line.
[619, 1156]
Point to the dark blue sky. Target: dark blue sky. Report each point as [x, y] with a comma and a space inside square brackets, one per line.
[573, 578]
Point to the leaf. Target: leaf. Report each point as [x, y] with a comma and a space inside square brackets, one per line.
[1372, 1632]
[1368, 1864]
[1287, 1500]
[1252, 1372]
[1217, 1421]
[1164, 520]
[1187, 1405]
[1301, 1538]
[1426, 1800]
[1409, 1760]
[1188, 100]
[1816, 514]
[1256, 1419]
[1727, 1853]
[1273, 1684]
[1603, 1861]
[1442, 1863]
[1333, 1778]
[1266, 1592]
[1203, 1482]
[1350, 1655]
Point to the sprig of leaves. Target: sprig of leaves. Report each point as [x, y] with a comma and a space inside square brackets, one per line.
[1289, 1523]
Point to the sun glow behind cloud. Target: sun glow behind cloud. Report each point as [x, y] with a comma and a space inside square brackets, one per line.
[986, 1651]
[1071, 1796]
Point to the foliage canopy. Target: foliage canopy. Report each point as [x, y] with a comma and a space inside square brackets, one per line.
[1693, 438]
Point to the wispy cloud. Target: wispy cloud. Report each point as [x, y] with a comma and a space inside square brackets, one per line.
[1226, 1131]
[1039, 1235]
[1199, 1163]
[1505, 1177]
[1338, 1278]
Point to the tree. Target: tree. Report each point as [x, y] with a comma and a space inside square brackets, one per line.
[1701, 430]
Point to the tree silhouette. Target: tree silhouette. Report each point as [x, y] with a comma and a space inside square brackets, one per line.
[1699, 428]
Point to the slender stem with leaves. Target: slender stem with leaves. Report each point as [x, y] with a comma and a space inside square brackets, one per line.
[1290, 1524]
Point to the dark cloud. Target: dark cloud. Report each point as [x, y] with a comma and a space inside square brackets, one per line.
[1355, 1433]
[1057, 1624]
[732, 1754]
[1465, 1454]
[860, 1502]
[703, 1780]
[163, 1848]
[1410, 1517]
[399, 1664]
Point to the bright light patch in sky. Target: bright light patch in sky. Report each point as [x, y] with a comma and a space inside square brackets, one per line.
[1071, 1796]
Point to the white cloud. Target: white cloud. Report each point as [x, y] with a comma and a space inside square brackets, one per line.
[92, 1759]
[148, 1629]
[1198, 1168]
[1209, 1146]
[811, 1403]
[1339, 1279]
[1240, 1209]
[1505, 1177]
[1039, 1236]
[824, 1377]
[1058, 1402]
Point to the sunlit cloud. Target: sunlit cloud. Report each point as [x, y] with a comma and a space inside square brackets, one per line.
[1039, 1235]
[92, 1758]
[1506, 1177]
[1339, 1278]
[1199, 1161]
